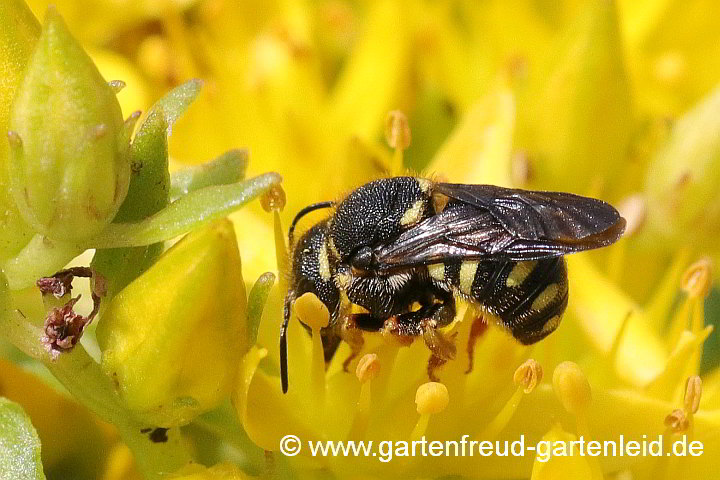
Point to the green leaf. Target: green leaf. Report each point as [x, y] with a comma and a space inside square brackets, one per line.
[150, 180]
[19, 444]
[149, 190]
[181, 216]
[227, 168]
[256, 304]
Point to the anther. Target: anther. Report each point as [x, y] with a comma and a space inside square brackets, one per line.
[693, 392]
[528, 375]
[367, 368]
[274, 199]
[311, 311]
[572, 388]
[14, 139]
[100, 130]
[697, 279]
[116, 85]
[677, 421]
[397, 130]
[431, 398]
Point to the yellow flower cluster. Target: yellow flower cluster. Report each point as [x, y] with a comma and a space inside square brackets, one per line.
[617, 99]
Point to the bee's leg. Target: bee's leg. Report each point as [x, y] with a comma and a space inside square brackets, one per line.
[441, 346]
[425, 322]
[368, 323]
[478, 327]
[351, 329]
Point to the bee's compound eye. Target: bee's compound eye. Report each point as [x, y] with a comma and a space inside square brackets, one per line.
[362, 259]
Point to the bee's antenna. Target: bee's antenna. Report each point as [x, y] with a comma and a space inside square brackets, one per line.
[303, 212]
[283, 343]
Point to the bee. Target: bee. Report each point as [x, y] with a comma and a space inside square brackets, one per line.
[405, 248]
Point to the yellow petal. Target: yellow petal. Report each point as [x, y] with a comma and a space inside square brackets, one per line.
[569, 464]
[478, 151]
[577, 121]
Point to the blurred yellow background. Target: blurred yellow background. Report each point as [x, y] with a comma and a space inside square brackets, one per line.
[614, 99]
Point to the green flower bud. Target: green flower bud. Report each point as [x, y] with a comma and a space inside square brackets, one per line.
[172, 339]
[19, 30]
[69, 166]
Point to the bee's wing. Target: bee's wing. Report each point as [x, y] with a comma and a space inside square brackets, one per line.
[485, 221]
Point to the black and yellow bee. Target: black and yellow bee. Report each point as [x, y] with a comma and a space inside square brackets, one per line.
[405, 248]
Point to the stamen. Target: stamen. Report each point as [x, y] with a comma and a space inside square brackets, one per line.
[63, 327]
[397, 135]
[367, 369]
[526, 377]
[274, 199]
[693, 392]
[697, 279]
[617, 341]
[520, 169]
[634, 210]
[313, 313]
[572, 388]
[430, 398]
[677, 421]
[281, 252]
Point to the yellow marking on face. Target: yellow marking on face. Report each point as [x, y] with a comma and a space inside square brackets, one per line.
[520, 272]
[333, 248]
[551, 324]
[547, 296]
[324, 263]
[413, 214]
[467, 276]
[437, 271]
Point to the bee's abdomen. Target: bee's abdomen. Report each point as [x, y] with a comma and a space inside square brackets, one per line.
[529, 297]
